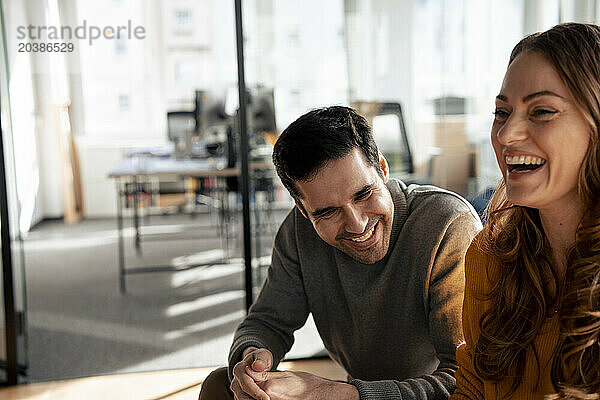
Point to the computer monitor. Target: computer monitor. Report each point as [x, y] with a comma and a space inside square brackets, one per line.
[179, 123]
[216, 120]
[261, 111]
[180, 126]
[389, 131]
[210, 111]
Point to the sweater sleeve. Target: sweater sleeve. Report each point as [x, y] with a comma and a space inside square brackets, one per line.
[468, 384]
[281, 307]
[443, 301]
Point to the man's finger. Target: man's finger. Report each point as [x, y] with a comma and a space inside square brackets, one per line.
[259, 376]
[239, 393]
[250, 387]
[260, 365]
[239, 369]
[235, 388]
[259, 359]
[246, 383]
[263, 360]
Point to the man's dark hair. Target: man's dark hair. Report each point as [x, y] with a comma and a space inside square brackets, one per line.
[318, 137]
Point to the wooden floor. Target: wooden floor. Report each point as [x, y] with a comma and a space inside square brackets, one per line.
[171, 385]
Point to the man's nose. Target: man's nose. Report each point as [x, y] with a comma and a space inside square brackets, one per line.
[356, 221]
[514, 130]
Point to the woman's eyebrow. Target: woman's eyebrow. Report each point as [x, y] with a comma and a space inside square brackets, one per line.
[532, 96]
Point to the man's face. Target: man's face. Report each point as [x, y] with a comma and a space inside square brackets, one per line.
[350, 207]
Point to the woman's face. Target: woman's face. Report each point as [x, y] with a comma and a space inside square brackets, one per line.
[539, 135]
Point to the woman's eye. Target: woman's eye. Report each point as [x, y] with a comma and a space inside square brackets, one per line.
[543, 112]
[500, 114]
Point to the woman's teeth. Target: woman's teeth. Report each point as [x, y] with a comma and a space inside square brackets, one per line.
[365, 236]
[525, 160]
[523, 163]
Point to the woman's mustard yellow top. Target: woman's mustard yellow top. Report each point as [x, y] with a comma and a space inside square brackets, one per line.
[468, 384]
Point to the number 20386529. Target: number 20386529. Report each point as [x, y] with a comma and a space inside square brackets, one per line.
[45, 47]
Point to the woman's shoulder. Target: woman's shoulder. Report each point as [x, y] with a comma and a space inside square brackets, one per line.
[480, 265]
[477, 252]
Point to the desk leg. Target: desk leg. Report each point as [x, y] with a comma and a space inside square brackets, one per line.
[136, 217]
[120, 194]
[258, 228]
[191, 195]
[224, 214]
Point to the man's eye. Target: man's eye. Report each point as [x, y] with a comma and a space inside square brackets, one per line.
[327, 214]
[364, 195]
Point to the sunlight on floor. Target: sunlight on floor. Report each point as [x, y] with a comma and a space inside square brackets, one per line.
[204, 302]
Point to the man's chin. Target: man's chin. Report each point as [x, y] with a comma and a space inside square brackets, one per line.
[370, 256]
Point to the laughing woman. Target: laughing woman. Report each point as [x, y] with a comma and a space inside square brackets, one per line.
[531, 315]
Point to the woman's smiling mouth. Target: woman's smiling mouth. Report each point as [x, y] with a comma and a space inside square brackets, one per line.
[520, 164]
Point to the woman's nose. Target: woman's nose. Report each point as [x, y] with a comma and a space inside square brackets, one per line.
[514, 129]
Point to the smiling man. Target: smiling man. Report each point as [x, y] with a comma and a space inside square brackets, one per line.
[378, 264]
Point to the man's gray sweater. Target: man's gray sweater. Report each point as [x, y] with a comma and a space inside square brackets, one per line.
[393, 325]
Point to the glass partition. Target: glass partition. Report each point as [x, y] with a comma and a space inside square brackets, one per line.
[13, 96]
[123, 128]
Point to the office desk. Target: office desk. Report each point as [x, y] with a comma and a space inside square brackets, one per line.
[175, 384]
[169, 167]
[131, 171]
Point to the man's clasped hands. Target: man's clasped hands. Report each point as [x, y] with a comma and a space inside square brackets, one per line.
[253, 379]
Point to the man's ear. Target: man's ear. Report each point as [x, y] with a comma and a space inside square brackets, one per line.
[301, 208]
[385, 168]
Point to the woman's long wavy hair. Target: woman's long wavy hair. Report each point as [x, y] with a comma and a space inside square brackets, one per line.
[519, 296]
